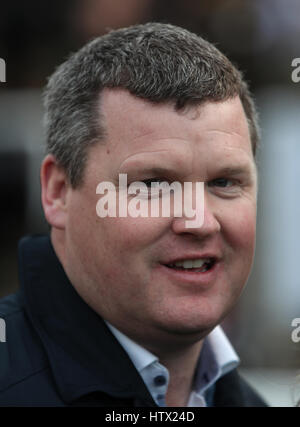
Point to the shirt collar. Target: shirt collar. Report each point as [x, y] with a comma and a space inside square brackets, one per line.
[217, 359]
[140, 357]
[220, 349]
[147, 364]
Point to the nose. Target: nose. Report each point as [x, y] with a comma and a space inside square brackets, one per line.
[208, 227]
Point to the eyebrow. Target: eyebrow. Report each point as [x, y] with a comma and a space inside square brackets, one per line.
[235, 170]
[153, 171]
[228, 170]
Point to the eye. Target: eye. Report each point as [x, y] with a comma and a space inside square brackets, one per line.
[222, 182]
[155, 187]
[153, 182]
[225, 187]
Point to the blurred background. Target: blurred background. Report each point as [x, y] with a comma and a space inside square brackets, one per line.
[262, 38]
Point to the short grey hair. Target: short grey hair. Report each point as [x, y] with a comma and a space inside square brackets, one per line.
[157, 62]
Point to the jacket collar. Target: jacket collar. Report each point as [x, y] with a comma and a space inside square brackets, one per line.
[84, 355]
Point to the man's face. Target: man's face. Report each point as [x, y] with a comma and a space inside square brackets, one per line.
[121, 266]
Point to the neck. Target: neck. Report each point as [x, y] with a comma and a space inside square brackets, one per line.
[181, 365]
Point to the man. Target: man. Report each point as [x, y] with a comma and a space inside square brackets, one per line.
[124, 309]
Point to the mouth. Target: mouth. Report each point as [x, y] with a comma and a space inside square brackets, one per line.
[199, 265]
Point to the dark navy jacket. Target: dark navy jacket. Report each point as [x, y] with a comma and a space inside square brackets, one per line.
[59, 352]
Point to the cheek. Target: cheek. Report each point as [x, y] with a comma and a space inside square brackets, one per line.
[240, 246]
[240, 228]
[239, 241]
[130, 236]
[128, 249]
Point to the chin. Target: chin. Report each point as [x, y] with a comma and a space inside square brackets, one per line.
[190, 327]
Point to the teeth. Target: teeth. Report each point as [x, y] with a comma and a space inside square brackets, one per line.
[192, 263]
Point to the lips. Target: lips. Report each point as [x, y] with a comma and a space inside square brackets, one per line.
[196, 265]
[193, 278]
[192, 263]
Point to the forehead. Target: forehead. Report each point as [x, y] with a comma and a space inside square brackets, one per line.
[139, 131]
[118, 105]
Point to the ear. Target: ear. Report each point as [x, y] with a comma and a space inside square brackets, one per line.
[55, 187]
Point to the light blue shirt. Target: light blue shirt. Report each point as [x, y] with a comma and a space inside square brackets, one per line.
[217, 359]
